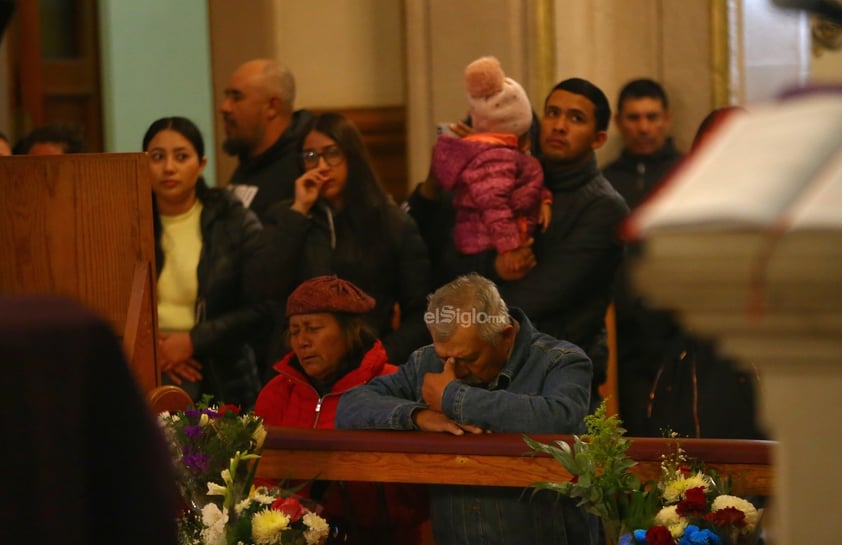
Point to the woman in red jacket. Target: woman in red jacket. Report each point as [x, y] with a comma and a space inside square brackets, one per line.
[332, 352]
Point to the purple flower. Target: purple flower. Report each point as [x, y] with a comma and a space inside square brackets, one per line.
[196, 463]
[192, 413]
[193, 432]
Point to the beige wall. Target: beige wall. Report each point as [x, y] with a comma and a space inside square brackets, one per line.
[827, 67]
[345, 53]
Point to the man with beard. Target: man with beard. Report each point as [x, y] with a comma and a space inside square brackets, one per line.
[264, 132]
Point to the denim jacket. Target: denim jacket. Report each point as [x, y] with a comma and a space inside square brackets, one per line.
[543, 388]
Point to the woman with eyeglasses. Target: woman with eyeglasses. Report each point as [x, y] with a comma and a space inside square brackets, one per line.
[342, 222]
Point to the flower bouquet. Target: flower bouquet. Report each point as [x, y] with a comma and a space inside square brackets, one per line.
[686, 506]
[215, 450]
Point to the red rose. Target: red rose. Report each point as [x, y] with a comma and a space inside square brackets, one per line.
[729, 516]
[228, 407]
[289, 507]
[694, 502]
[659, 535]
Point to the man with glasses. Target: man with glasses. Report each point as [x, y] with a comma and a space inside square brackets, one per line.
[264, 132]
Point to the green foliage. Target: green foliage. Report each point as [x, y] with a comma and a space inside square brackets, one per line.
[602, 482]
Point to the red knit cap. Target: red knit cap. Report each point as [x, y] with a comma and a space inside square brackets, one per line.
[328, 294]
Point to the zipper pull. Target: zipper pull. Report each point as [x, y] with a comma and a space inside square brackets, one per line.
[641, 176]
[318, 413]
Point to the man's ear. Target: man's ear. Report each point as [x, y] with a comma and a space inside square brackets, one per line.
[667, 118]
[599, 141]
[275, 107]
[617, 120]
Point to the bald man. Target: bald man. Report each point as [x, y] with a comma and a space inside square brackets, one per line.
[263, 130]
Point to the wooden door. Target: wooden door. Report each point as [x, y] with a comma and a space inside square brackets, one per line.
[55, 67]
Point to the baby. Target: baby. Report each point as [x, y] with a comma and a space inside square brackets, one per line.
[498, 188]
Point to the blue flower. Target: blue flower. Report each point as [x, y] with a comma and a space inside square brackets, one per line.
[640, 536]
[626, 539]
[694, 536]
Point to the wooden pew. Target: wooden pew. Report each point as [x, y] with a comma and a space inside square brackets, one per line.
[81, 226]
[500, 459]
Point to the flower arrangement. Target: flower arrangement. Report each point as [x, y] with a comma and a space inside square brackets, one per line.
[688, 505]
[215, 450]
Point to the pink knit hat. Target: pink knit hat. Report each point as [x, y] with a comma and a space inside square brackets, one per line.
[328, 294]
[498, 104]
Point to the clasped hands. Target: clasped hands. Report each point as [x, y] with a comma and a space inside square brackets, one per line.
[175, 351]
[432, 418]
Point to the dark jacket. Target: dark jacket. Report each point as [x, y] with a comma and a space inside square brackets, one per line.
[275, 170]
[226, 318]
[397, 270]
[567, 293]
[634, 176]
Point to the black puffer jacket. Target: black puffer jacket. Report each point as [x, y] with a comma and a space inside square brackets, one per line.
[567, 293]
[300, 247]
[227, 318]
[275, 170]
[635, 176]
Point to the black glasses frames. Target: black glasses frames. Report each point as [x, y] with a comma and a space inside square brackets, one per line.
[332, 155]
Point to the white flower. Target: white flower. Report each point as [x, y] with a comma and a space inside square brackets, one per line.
[242, 506]
[214, 520]
[259, 436]
[261, 497]
[748, 509]
[317, 529]
[669, 517]
[216, 490]
[267, 525]
[226, 477]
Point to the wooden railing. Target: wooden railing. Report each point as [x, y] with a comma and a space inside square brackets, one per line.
[501, 459]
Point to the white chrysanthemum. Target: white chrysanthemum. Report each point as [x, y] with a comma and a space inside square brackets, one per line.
[267, 525]
[216, 489]
[317, 529]
[748, 509]
[669, 517]
[242, 505]
[262, 497]
[259, 436]
[674, 490]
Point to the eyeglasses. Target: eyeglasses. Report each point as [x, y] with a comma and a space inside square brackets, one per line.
[332, 155]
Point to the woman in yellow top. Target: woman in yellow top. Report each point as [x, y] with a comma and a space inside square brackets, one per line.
[203, 240]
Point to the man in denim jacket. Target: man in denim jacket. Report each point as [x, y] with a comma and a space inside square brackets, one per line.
[488, 370]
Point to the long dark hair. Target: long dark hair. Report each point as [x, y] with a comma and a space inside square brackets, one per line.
[191, 132]
[365, 198]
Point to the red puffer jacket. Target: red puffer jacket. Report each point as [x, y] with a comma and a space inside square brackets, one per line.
[370, 512]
